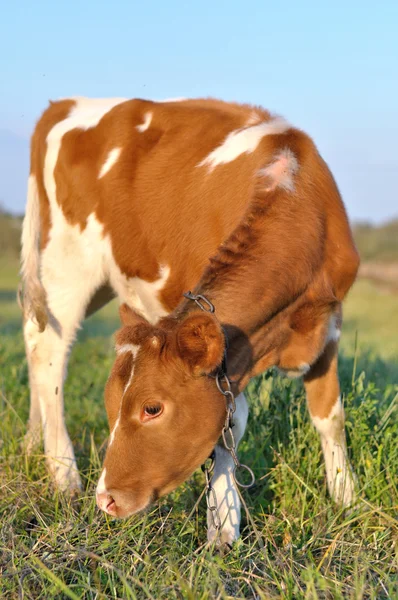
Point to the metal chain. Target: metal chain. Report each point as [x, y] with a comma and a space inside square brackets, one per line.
[224, 386]
[227, 433]
[203, 303]
[211, 498]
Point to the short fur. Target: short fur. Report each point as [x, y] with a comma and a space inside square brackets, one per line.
[216, 197]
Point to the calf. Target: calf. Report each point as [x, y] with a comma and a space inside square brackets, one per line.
[144, 201]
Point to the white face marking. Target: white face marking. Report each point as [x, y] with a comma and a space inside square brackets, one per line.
[281, 171]
[127, 348]
[129, 381]
[109, 162]
[101, 487]
[121, 350]
[147, 121]
[243, 141]
[113, 432]
[134, 351]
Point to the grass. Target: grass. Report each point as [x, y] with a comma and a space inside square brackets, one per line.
[295, 543]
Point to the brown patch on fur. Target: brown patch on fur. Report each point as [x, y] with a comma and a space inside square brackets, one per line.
[57, 111]
[322, 384]
[276, 263]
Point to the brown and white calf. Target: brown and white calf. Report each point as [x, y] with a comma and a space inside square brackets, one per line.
[144, 201]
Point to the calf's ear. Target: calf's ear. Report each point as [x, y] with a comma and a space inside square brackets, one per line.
[200, 342]
[129, 317]
[134, 331]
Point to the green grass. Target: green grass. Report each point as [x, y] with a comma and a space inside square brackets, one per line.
[295, 543]
[372, 312]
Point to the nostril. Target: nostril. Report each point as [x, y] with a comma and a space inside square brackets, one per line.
[107, 503]
[111, 504]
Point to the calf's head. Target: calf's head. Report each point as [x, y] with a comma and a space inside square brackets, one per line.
[165, 413]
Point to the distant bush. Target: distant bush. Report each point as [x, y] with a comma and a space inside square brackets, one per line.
[374, 243]
[10, 234]
[377, 243]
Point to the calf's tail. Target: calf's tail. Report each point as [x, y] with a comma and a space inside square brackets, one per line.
[31, 293]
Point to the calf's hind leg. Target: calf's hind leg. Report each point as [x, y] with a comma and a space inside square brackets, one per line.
[327, 414]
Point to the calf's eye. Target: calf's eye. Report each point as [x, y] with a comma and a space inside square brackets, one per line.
[150, 411]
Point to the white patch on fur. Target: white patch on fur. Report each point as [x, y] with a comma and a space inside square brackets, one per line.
[88, 112]
[90, 245]
[127, 348]
[334, 421]
[111, 159]
[254, 119]
[281, 171]
[101, 487]
[87, 263]
[340, 477]
[301, 370]
[243, 141]
[173, 100]
[31, 335]
[147, 121]
[140, 294]
[333, 331]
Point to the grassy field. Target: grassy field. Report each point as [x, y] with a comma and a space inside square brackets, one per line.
[295, 543]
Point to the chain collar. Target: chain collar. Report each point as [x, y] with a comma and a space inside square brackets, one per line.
[224, 386]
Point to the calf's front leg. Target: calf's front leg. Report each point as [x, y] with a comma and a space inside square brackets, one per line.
[327, 414]
[223, 483]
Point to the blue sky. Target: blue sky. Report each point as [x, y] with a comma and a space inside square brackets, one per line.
[330, 68]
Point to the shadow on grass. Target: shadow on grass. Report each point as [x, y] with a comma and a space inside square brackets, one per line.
[278, 419]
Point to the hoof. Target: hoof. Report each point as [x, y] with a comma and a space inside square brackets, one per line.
[223, 539]
[32, 440]
[343, 491]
